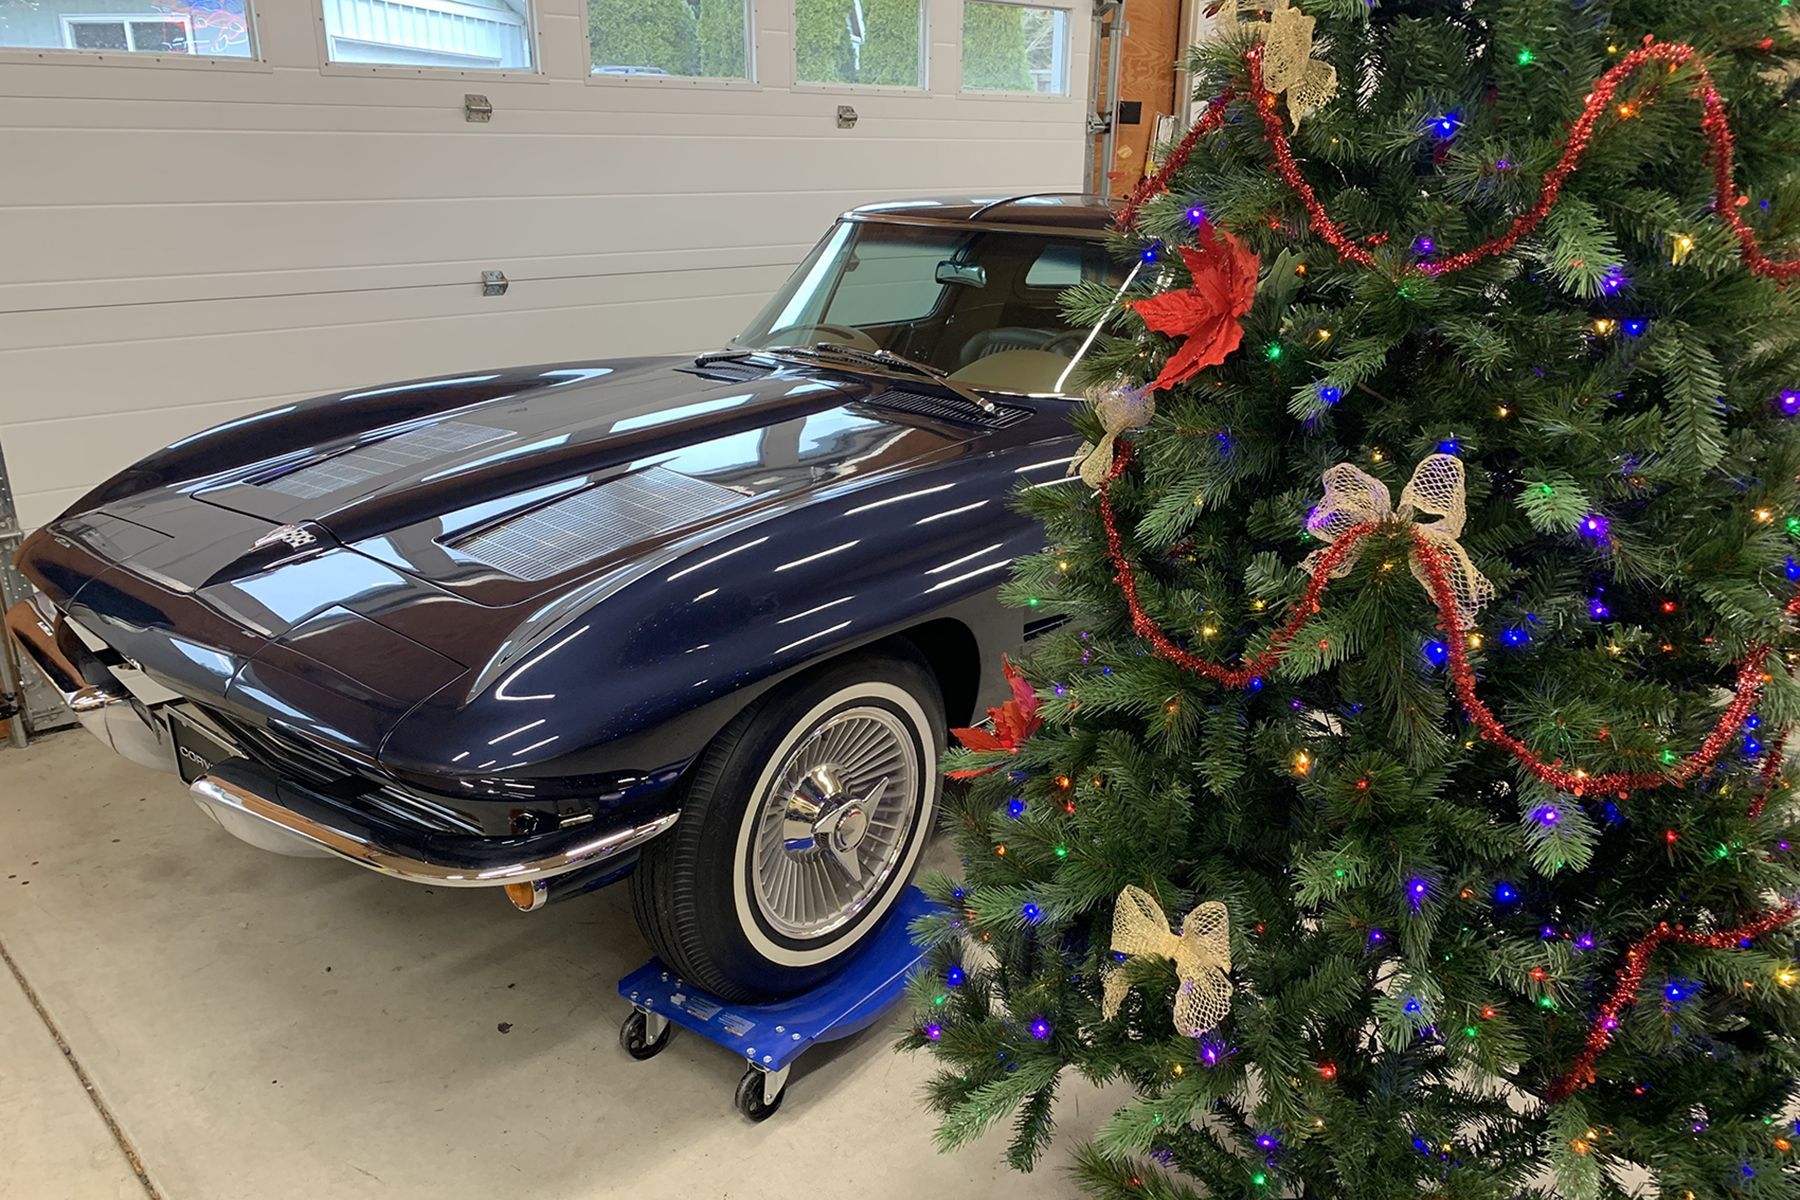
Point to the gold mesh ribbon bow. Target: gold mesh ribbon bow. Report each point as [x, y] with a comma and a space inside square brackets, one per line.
[1353, 497]
[1120, 410]
[1202, 954]
[1288, 64]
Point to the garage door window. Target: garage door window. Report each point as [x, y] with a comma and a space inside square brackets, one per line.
[1015, 48]
[707, 39]
[876, 43]
[199, 28]
[492, 35]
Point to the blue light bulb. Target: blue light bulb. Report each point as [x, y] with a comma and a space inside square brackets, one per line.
[1505, 893]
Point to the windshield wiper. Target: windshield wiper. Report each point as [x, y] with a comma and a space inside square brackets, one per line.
[893, 362]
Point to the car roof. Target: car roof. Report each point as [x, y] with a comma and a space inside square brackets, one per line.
[1048, 211]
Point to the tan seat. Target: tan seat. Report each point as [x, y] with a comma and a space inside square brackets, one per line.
[1016, 371]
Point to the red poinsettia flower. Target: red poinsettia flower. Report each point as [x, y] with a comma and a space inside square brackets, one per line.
[1014, 721]
[1206, 314]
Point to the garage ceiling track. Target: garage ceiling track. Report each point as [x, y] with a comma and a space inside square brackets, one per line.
[187, 243]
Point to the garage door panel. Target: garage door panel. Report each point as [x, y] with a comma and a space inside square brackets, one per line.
[124, 166]
[312, 344]
[29, 316]
[31, 336]
[133, 241]
[561, 100]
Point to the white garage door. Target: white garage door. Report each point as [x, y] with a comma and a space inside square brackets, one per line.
[209, 207]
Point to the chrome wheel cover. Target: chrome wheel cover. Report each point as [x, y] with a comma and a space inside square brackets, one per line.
[835, 821]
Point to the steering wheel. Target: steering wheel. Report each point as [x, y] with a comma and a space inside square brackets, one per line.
[843, 335]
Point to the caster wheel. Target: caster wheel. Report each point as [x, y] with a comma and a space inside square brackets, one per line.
[750, 1099]
[634, 1035]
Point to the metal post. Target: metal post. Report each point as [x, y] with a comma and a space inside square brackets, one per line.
[1110, 147]
[1103, 95]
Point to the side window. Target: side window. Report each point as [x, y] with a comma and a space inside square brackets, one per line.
[493, 35]
[708, 39]
[879, 43]
[1065, 264]
[202, 28]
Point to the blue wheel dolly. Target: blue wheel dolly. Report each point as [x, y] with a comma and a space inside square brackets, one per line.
[769, 1038]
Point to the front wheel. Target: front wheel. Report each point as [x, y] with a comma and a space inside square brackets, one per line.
[801, 824]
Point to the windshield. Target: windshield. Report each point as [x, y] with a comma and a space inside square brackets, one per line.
[978, 304]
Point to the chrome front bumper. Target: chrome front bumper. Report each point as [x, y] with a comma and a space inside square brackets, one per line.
[240, 787]
[261, 807]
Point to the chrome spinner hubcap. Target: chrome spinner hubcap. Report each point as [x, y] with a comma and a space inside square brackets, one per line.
[834, 823]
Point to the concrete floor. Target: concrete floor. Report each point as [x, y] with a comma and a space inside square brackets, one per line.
[257, 1026]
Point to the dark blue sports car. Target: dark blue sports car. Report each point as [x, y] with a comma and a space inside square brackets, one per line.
[705, 617]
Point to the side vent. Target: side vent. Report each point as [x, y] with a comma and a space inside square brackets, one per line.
[599, 521]
[372, 460]
[951, 409]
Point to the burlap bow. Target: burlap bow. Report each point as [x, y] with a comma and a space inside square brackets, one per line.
[1288, 64]
[1119, 410]
[1353, 497]
[1202, 954]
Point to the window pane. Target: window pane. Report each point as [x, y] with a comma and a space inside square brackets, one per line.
[873, 42]
[707, 38]
[97, 35]
[167, 37]
[1015, 48]
[459, 34]
[215, 28]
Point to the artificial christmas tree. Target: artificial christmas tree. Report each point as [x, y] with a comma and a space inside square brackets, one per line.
[1409, 812]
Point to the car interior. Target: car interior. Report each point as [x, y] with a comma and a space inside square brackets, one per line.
[980, 305]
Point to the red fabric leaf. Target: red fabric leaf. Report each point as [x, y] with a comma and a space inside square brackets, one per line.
[979, 739]
[1014, 721]
[1206, 314]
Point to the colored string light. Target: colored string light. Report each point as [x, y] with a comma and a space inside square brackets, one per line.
[1714, 123]
[1631, 977]
[1431, 560]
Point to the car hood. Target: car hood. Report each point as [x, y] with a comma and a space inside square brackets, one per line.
[512, 488]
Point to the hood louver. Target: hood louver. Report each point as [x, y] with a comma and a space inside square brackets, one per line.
[372, 460]
[592, 524]
[951, 409]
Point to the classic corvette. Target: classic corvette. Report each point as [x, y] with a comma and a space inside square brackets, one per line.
[702, 621]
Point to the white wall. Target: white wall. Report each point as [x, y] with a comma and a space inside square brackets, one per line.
[181, 242]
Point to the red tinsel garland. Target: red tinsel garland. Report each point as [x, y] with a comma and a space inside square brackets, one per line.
[1749, 686]
[1155, 185]
[1713, 123]
[1462, 675]
[1631, 978]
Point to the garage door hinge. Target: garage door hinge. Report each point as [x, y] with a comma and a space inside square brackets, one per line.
[494, 283]
[478, 109]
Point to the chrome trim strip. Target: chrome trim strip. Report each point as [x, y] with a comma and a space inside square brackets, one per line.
[237, 786]
[36, 638]
[973, 224]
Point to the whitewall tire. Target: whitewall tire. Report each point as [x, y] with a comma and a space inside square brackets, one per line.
[801, 825]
